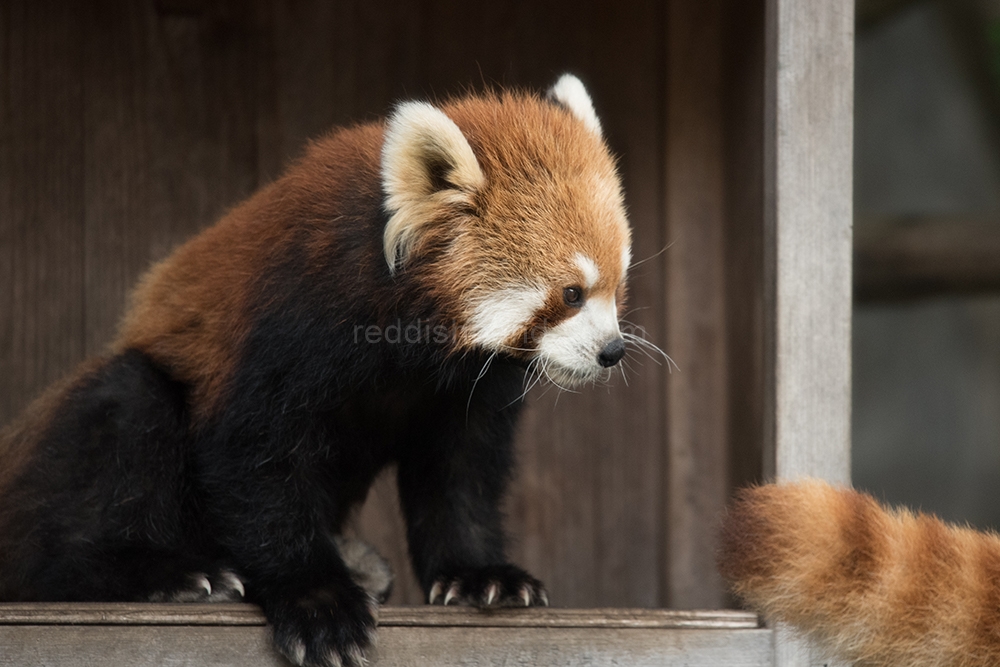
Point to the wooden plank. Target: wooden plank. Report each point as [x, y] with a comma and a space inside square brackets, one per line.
[235, 634]
[808, 208]
[743, 99]
[697, 400]
[295, 79]
[41, 193]
[109, 613]
[809, 68]
[629, 430]
[73, 646]
[575, 647]
[907, 258]
[201, 125]
[115, 161]
[125, 613]
[137, 646]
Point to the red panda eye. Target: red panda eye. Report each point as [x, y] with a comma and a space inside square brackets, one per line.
[573, 296]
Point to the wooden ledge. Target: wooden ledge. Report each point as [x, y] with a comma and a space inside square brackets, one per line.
[235, 635]
[109, 613]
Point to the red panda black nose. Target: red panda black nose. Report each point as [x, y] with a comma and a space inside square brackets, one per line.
[612, 353]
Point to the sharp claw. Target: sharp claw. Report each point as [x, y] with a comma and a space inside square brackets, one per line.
[544, 597]
[452, 593]
[526, 596]
[491, 593]
[234, 583]
[204, 583]
[435, 593]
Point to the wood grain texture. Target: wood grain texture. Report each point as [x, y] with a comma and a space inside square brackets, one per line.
[41, 198]
[572, 647]
[698, 396]
[74, 646]
[116, 159]
[633, 439]
[235, 634]
[137, 646]
[189, 614]
[743, 99]
[808, 209]
[809, 70]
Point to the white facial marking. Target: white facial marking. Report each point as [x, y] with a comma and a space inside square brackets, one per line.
[588, 268]
[572, 345]
[626, 260]
[504, 313]
[570, 92]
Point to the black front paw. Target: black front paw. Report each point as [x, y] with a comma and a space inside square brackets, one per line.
[325, 628]
[489, 586]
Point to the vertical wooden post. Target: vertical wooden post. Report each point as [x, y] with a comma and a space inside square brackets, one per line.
[809, 71]
[697, 397]
[807, 182]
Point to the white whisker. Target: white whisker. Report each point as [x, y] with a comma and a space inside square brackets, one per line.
[643, 261]
[482, 372]
[648, 348]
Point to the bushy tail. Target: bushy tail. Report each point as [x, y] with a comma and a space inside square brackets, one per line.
[875, 586]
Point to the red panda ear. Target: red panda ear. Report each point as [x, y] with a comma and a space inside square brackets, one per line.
[569, 93]
[427, 164]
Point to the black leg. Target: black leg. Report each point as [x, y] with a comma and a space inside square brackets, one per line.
[452, 479]
[274, 508]
[102, 509]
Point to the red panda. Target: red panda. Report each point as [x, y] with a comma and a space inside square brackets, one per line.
[873, 586]
[380, 303]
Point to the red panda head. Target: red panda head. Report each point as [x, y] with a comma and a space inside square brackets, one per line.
[510, 210]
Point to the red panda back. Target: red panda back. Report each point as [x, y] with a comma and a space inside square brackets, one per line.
[192, 311]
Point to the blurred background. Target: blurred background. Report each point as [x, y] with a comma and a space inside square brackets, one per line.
[926, 405]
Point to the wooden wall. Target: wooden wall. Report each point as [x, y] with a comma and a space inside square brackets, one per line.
[126, 126]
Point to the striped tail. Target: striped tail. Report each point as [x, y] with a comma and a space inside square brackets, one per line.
[879, 587]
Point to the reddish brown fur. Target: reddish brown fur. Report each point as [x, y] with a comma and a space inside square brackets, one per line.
[871, 585]
[513, 239]
[212, 275]
[209, 274]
